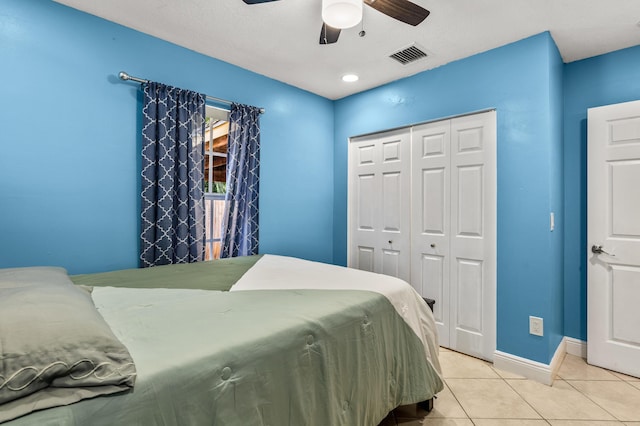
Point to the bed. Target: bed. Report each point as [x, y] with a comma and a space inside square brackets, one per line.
[262, 340]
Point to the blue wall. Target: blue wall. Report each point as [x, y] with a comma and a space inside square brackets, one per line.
[602, 80]
[523, 81]
[70, 141]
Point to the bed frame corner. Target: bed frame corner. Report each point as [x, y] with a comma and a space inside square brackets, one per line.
[426, 405]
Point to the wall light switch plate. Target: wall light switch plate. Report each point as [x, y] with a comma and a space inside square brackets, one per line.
[536, 326]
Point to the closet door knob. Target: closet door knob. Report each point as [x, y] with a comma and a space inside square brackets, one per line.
[433, 245]
[390, 242]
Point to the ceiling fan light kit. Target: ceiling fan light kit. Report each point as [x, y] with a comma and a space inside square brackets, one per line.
[341, 13]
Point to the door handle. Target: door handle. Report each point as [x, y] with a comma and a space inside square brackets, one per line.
[599, 250]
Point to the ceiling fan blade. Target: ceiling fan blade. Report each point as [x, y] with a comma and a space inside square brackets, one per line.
[402, 10]
[257, 1]
[329, 34]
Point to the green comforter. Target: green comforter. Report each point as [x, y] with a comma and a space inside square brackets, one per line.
[260, 357]
[213, 275]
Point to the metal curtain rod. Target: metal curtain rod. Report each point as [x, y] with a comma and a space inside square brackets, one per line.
[124, 76]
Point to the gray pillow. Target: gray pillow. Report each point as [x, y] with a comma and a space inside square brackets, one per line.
[55, 347]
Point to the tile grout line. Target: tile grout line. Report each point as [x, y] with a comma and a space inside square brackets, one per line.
[458, 401]
[595, 402]
[527, 402]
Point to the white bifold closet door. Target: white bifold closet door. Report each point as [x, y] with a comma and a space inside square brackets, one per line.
[379, 198]
[422, 207]
[453, 244]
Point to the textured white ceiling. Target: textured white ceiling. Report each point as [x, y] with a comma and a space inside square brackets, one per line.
[280, 39]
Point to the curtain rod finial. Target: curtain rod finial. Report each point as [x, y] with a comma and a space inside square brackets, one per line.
[123, 75]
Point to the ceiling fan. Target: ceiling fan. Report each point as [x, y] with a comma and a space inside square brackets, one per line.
[402, 10]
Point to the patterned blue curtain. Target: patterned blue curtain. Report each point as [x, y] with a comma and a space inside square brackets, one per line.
[240, 223]
[172, 229]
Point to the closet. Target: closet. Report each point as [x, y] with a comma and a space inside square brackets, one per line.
[422, 207]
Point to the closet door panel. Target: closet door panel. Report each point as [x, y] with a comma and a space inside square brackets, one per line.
[470, 290]
[430, 218]
[364, 183]
[395, 200]
[392, 215]
[473, 230]
[364, 258]
[469, 216]
[391, 262]
[379, 198]
[432, 201]
[366, 187]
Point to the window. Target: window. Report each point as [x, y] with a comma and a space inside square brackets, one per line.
[215, 179]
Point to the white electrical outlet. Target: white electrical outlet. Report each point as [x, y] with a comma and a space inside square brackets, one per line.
[536, 326]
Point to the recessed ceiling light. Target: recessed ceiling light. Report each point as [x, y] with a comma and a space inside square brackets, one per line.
[350, 78]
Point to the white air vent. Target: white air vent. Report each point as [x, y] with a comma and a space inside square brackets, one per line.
[409, 54]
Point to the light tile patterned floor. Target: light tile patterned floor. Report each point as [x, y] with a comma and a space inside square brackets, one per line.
[476, 393]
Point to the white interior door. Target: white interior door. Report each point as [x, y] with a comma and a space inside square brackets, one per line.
[430, 218]
[613, 271]
[379, 198]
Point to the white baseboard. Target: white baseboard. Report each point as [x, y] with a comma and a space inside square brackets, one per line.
[543, 373]
[557, 359]
[576, 347]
